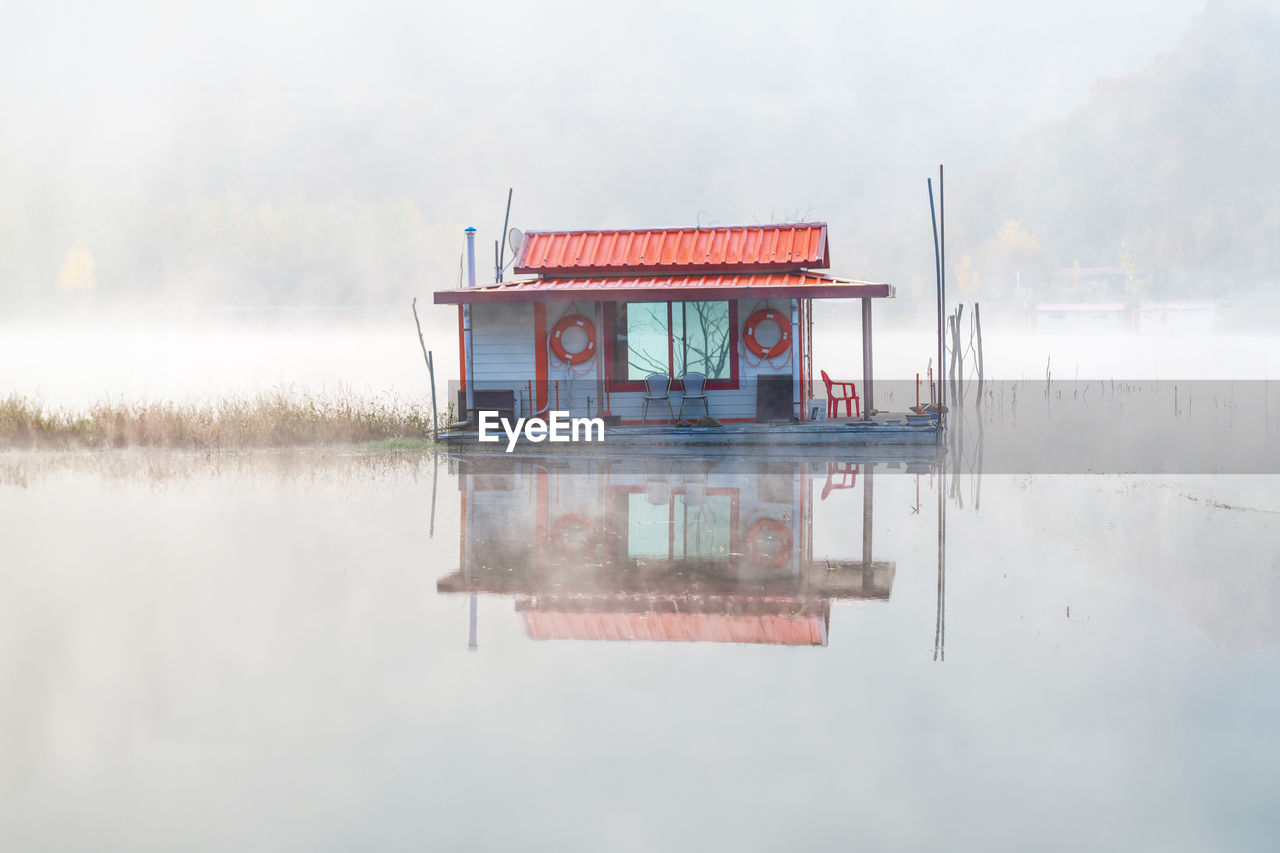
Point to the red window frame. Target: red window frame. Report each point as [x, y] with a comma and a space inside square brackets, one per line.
[624, 385]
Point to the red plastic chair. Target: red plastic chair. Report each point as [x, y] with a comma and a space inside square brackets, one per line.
[849, 398]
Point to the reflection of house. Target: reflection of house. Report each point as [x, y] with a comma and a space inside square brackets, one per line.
[664, 549]
[610, 308]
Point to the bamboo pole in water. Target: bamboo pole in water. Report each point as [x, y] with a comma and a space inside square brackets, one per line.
[937, 263]
[977, 324]
[431, 370]
[942, 236]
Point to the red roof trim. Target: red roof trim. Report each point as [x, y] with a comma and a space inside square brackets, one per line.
[670, 289]
[760, 248]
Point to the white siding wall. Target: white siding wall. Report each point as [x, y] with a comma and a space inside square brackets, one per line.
[505, 355]
[502, 346]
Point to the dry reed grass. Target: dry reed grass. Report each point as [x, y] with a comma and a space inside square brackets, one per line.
[274, 419]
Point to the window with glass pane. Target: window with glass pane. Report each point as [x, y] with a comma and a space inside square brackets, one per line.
[700, 334]
[647, 339]
[671, 339]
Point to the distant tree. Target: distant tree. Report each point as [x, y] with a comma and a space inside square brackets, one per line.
[78, 271]
[965, 275]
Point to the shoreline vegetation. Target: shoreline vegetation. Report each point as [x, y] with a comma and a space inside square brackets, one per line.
[274, 419]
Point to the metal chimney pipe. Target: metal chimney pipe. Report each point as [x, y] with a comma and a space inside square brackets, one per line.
[470, 373]
[471, 256]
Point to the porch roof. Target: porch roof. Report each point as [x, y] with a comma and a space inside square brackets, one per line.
[670, 288]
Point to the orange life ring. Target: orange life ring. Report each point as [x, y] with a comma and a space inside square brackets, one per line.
[574, 534]
[557, 344]
[749, 333]
[760, 534]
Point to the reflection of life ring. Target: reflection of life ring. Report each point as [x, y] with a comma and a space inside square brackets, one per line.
[749, 334]
[557, 343]
[574, 534]
[761, 535]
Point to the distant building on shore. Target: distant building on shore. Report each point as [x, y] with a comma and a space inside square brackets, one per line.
[1147, 318]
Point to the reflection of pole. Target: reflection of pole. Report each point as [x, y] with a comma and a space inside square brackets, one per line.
[806, 492]
[471, 637]
[468, 512]
[435, 476]
[940, 619]
[868, 497]
[797, 521]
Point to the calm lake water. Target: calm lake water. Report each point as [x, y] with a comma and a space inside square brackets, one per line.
[328, 650]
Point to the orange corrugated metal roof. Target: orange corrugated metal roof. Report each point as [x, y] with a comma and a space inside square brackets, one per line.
[758, 248]
[759, 628]
[670, 288]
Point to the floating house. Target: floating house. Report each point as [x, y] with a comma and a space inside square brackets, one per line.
[645, 327]
[669, 549]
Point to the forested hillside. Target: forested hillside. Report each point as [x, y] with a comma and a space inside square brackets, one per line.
[1169, 178]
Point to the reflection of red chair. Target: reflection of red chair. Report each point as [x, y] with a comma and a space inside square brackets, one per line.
[848, 395]
[840, 476]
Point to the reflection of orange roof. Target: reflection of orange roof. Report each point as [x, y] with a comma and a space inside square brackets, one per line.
[750, 247]
[765, 628]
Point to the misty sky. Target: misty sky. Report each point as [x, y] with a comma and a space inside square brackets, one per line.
[599, 115]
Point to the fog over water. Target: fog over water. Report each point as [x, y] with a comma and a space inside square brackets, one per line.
[278, 646]
[80, 363]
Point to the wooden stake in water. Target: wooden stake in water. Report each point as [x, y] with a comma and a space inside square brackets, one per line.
[977, 324]
[431, 371]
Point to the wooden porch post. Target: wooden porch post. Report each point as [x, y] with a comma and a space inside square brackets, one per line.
[797, 398]
[867, 391]
[601, 408]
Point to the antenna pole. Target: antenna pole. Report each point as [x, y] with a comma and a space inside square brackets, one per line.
[506, 220]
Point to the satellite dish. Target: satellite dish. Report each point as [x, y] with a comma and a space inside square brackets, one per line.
[514, 238]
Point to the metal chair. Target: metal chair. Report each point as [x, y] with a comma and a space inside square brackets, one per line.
[695, 388]
[849, 397]
[657, 388]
